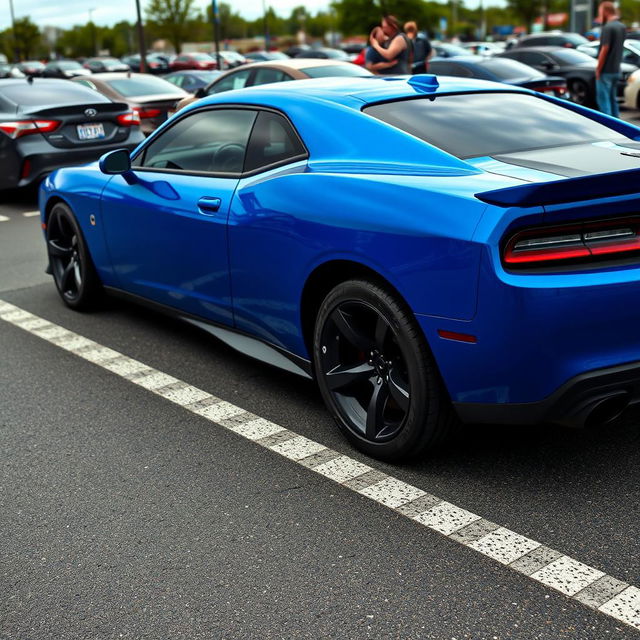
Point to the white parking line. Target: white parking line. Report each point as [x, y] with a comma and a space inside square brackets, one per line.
[576, 580]
[4, 219]
[31, 214]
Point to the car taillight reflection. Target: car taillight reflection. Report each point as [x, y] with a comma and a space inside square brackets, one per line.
[20, 128]
[132, 118]
[147, 113]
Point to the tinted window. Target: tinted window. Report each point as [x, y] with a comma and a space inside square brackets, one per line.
[141, 86]
[460, 71]
[509, 69]
[50, 93]
[330, 71]
[571, 56]
[266, 75]
[210, 141]
[273, 140]
[233, 81]
[67, 64]
[532, 58]
[474, 125]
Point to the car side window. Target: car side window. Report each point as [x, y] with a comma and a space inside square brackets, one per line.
[266, 75]
[212, 141]
[177, 80]
[273, 141]
[532, 58]
[87, 83]
[236, 80]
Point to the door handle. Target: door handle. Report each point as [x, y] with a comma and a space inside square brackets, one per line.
[208, 206]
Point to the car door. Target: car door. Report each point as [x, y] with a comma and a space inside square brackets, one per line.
[165, 224]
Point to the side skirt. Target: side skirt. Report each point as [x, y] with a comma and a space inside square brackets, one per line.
[238, 340]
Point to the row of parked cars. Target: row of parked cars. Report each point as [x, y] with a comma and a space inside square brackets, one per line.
[564, 58]
[48, 123]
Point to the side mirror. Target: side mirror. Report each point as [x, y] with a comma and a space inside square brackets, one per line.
[549, 66]
[115, 162]
[201, 93]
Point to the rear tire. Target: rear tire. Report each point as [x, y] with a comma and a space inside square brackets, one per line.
[581, 94]
[73, 271]
[377, 375]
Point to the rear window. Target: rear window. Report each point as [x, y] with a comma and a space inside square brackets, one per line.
[330, 71]
[50, 94]
[142, 86]
[510, 69]
[487, 124]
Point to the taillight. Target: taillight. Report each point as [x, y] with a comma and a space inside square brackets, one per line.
[147, 113]
[581, 243]
[132, 118]
[19, 128]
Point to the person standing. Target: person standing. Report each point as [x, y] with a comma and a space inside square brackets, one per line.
[422, 49]
[396, 47]
[609, 58]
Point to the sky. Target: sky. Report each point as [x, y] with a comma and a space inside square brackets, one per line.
[66, 13]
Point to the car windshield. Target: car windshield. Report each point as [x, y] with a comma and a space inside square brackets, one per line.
[202, 56]
[452, 49]
[506, 69]
[571, 56]
[69, 64]
[487, 124]
[141, 86]
[328, 71]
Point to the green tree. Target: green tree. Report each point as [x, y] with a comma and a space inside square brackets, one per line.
[527, 10]
[232, 24]
[28, 40]
[171, 18]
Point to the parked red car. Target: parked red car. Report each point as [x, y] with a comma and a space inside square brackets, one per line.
[199, 61]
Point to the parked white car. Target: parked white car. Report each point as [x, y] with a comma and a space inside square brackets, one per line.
[632, 91]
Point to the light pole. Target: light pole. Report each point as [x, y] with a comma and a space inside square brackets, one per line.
[141, 47]
[13, 33]
[266, 28]
[93, 32]
[216, 31]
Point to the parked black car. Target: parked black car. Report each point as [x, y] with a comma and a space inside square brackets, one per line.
[46, 124]
[155, 63]
[577, 68]
[64, 69]
[499, 70]
[105, 65]
[552, 39]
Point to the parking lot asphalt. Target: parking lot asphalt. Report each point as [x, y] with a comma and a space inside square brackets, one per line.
[125, 516]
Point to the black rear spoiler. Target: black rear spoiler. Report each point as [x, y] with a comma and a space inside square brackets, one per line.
[602, 185]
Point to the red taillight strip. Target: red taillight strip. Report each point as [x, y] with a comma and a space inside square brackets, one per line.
[18, 128]
[131, 118]
[580, 242]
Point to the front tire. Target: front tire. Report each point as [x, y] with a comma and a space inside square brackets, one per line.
[376, 373]
[581, 94]
[71, 265]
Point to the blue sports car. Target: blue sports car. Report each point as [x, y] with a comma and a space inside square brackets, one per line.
[427, 252]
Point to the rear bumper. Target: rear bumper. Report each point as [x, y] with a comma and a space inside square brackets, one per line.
[596, 396]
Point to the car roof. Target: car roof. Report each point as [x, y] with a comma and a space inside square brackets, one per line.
[296, 63]
[542, 48]
[352, 91]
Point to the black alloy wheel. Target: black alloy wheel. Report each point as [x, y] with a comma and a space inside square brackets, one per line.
[70, 262]
[376, 373]
[580, 92]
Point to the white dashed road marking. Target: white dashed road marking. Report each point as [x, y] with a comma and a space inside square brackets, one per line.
[31, 214]
[4, 219]
[576, 580]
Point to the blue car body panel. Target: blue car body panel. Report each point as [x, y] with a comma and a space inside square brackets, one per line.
[400, 208]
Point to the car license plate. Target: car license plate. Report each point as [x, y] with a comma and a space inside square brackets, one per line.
[90, 131]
